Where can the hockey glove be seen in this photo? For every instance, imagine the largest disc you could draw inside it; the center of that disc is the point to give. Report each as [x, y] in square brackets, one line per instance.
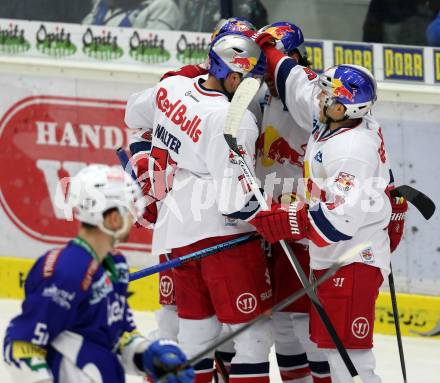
[150, 212]
[190, 71]
[282, 222]
[161, 361]
[399, 206]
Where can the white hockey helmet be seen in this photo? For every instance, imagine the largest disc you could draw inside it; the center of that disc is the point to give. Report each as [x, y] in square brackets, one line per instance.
[351, 85]
[98, 188]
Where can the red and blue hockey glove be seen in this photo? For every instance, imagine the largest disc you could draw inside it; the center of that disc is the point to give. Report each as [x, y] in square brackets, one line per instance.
[150, 212]
[282, 222]
[162, 360]
[399, 206]
[190, 71]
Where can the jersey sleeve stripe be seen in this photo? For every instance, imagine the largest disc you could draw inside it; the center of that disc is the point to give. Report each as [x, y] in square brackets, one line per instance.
[282, 73]
[324, 226]
[247, 211]
[141, 146]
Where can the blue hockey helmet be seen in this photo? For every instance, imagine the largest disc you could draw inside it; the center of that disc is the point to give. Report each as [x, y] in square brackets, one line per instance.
[233, 52]
[288, 37]
[233, 24]
[351, 85]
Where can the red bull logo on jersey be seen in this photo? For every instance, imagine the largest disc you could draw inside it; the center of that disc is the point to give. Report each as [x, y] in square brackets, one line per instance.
[272, 148]
[245, 63]
[279, 31]
[344, 181]
[340, 90]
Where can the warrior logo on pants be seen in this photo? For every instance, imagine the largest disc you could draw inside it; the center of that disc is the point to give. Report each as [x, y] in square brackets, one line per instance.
[360, 327]
[246, 303]
[166, 286]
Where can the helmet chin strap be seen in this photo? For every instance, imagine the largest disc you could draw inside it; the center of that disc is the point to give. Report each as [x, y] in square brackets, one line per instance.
[116, 234]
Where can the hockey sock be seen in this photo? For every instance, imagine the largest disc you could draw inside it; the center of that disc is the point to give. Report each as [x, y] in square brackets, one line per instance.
[249, 373]
[294, 368]
[320, 372]
[204, 371]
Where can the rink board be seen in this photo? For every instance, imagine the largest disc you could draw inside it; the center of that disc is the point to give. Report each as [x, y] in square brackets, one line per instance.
[418, 313]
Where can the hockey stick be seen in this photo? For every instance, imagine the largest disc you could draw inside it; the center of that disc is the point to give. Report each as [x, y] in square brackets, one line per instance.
[279, 306]
[192, 257]
[242, 97]
[421, 201]
[426, 207]
[397, 323]
[125, 162]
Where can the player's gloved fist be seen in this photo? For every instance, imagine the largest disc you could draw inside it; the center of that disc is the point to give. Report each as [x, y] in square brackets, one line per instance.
[263, 38]
[190, 71]
[282, 222]
[162, 361]
[399, 207]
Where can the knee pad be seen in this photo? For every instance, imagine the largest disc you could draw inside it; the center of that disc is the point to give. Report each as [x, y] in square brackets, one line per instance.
[167, 322]
[253, 345]
[301, 326]
[195, 335]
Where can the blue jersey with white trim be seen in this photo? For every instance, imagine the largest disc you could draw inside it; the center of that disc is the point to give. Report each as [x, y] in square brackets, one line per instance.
[346, 174]
[76, 309]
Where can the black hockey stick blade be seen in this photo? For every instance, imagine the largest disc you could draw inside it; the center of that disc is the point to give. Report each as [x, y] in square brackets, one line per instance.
[419, 200]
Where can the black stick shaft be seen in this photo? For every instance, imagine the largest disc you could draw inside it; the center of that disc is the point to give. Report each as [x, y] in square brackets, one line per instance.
[397, 323]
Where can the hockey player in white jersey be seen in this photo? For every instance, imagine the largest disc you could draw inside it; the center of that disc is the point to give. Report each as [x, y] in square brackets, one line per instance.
[347, 175]
[76, 325]
[194, 176]
[280, 157]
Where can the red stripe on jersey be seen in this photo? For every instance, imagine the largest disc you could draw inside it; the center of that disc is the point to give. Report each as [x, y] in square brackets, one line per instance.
[207, 93]
[294, 374]
[315, 236]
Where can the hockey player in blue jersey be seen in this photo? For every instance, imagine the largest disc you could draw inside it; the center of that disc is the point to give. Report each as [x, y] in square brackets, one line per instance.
[76, 325]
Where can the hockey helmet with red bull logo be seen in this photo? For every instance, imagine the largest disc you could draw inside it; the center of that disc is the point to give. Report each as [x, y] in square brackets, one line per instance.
[233, 24]
[288, 37]
[232, 52]
[351, 85]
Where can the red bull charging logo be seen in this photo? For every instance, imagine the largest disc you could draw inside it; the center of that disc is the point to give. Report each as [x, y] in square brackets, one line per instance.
[278, 32]
[272, 148]
[245, 63]
[339, 90]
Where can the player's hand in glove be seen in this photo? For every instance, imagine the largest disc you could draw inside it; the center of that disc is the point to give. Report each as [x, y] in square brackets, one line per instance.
[282, 222]
[399, 206]
[263, 38]
[150, 213]
[162, 361]
[190, 71]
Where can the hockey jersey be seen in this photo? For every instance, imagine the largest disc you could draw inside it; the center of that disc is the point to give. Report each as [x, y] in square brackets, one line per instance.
[193, 172]
[346, 174]
[280, 151]
[75, 310]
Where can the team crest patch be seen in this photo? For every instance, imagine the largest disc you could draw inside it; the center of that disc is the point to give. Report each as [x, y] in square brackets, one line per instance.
[344, 181]
[360, 327]
[367, 256]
